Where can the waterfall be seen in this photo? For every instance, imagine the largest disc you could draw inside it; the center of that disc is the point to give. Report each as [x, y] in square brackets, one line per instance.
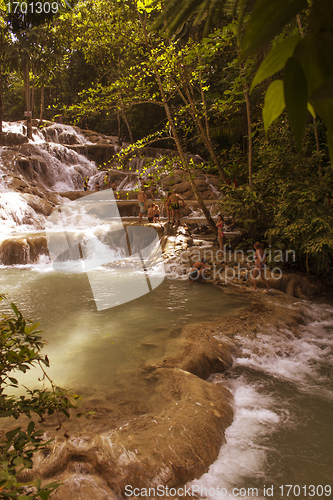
[34, 174]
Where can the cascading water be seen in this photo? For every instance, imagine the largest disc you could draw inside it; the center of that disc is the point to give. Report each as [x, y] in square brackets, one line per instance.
[37, 172]
[279, 444]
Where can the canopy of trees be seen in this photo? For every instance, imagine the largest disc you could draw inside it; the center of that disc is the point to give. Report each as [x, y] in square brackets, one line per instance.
[232, 81]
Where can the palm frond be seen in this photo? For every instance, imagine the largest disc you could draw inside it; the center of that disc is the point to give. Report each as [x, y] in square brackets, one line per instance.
[175, 13]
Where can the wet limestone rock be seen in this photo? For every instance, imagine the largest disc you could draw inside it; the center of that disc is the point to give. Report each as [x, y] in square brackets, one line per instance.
[99, 153]
[15, 251]
[68, 138]
[170, 446]
[169, 438]
[207, 185]
[12, 139]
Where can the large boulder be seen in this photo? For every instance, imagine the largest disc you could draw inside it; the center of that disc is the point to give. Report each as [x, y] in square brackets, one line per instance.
[12, 139]
[99, 153]
[68, 138]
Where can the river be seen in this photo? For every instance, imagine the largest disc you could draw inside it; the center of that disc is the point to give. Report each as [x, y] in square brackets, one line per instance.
[282, 386]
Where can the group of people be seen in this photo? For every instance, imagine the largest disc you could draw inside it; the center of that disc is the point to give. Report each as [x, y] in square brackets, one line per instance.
[201, 270]
[171, 207]
[153, 213]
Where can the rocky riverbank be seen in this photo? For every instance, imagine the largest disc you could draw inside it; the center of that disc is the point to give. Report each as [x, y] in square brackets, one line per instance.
[235, 267]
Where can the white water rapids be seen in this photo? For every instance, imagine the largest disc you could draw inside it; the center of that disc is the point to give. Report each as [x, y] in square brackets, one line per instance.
[280, 442]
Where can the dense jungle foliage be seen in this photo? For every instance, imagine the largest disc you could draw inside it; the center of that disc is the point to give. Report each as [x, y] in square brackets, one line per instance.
[245, 85]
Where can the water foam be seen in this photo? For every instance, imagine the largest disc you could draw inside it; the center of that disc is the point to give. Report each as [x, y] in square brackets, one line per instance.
[16, 214]
[269, 366]
[244, 454]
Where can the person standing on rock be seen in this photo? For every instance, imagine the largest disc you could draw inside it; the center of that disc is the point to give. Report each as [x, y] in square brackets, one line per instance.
[106, 181]
[168, 205]
[174, 204]
[259, 259]
[150, 213]
[221, 236]
[142, 198]
[85, 183]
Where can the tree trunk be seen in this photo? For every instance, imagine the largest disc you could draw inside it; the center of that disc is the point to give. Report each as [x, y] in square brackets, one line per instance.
[126, 121]
[119, 127]
[33, 94]
[176, 137]
[183, 156]
[1, 102]
[25, 68]
[249, 132]
[204, 136]
[41, 116]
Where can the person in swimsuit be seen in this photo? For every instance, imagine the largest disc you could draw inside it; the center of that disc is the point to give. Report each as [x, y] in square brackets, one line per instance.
[259, 260]
[221, 236]
[150, 213]
[156, 212]
[142, 198]
[174, 204]
[85, 183]
[198, 269]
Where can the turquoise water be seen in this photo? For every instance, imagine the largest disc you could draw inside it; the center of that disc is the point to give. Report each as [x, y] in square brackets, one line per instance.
[93, 348]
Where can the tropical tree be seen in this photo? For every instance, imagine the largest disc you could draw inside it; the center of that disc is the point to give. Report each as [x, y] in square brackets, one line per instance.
[22, 20]
[307, 61]
[7, 55]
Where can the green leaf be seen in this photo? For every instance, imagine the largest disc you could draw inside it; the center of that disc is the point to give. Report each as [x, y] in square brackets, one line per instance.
[296, 97]
[267, 20]
[44, 495]
[311, 110]
[16, 311]
[28, 463]
[31, 427]
[276, 59]
[65, 412]
[274, 103]
[11, 434]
